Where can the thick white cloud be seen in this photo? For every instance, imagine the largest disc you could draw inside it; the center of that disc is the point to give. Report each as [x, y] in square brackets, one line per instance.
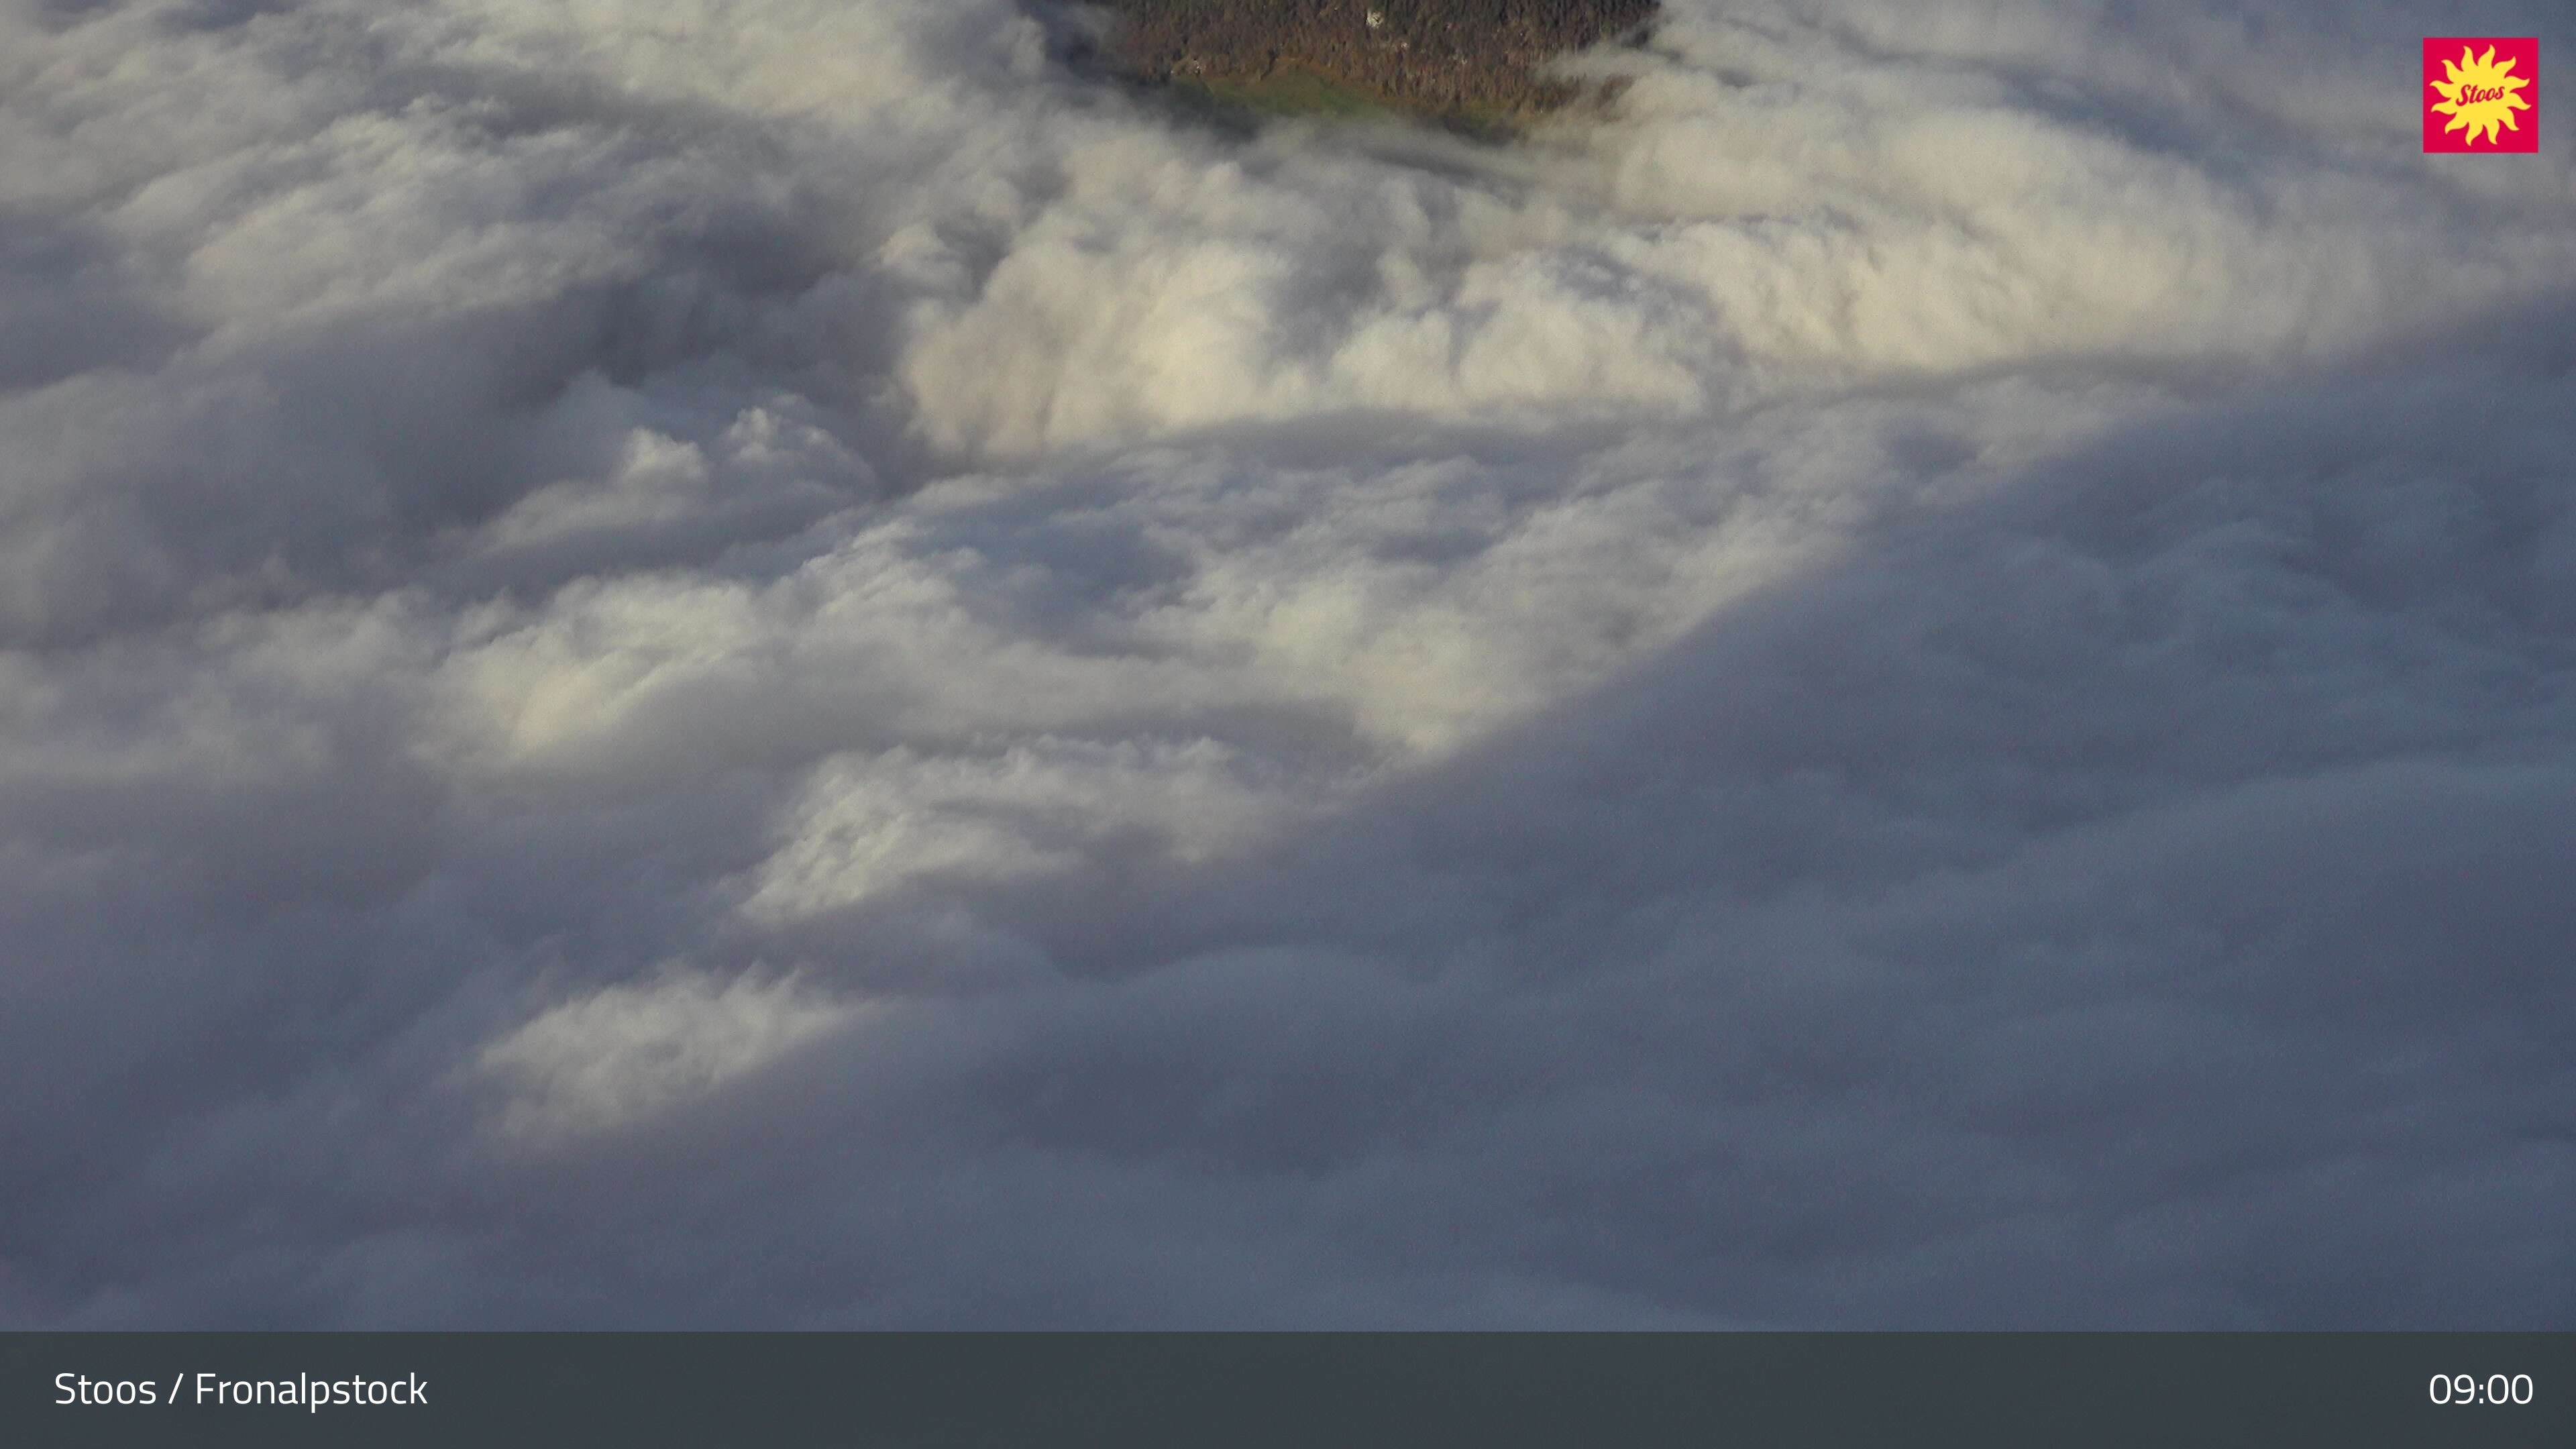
[774, 662]
[631, 1052]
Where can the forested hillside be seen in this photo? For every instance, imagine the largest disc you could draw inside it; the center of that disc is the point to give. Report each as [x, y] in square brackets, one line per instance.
[1441, 57]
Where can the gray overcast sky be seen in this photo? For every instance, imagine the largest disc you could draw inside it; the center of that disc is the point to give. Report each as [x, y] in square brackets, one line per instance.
[772, 663]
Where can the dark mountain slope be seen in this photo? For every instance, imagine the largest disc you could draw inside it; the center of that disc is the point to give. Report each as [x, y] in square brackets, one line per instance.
[1472, 59]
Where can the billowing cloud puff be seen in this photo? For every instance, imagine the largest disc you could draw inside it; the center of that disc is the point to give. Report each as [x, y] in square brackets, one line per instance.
[777, 662]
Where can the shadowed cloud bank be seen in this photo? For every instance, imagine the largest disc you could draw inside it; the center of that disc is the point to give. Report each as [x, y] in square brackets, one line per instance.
[775, 663]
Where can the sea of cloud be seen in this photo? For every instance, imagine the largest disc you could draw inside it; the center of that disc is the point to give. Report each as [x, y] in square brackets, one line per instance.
[778, 662]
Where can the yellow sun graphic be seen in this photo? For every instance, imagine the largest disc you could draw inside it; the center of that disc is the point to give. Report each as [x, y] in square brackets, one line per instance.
[2480, 95]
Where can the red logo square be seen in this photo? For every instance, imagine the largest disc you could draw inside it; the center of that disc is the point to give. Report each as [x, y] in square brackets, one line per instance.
[2481, 93]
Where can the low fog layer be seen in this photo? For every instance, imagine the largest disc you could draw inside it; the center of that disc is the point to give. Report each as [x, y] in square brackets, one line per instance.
[775, 663]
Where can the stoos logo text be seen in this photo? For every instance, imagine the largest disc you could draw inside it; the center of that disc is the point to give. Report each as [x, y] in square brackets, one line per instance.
[2481, 93]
